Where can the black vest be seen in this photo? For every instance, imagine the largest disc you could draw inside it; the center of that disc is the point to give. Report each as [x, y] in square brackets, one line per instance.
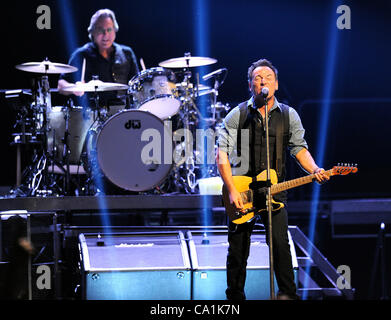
[278, 139]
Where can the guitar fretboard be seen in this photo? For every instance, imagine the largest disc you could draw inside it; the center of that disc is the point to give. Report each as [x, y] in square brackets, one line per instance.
[282, 186]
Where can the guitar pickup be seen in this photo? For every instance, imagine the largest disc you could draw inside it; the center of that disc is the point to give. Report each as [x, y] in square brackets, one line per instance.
[245, 211]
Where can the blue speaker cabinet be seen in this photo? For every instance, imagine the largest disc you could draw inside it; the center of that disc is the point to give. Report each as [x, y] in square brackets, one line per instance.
[135, 266]
[208, 253]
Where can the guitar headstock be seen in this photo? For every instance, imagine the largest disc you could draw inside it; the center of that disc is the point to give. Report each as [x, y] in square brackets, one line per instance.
[344, 169]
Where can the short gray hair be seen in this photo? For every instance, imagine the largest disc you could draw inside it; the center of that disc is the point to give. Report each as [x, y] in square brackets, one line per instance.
[102, 13]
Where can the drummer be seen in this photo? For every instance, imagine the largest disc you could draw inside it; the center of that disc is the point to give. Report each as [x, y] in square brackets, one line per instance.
[102, 57]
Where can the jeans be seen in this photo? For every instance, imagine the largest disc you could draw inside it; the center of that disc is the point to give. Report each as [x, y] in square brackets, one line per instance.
[239, 239]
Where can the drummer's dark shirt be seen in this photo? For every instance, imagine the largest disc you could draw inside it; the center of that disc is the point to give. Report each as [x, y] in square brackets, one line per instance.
[120, 67]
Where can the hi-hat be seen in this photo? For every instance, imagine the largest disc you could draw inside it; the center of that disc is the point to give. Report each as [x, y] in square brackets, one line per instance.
[95, 86]
[46, 67]
[187, 62]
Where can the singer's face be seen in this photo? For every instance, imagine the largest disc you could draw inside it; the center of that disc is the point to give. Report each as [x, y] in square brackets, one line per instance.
[263, 77]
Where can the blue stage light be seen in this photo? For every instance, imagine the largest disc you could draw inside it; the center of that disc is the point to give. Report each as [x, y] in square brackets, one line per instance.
[72, 43]
[201, 37]
[70, 34]
[324, 116]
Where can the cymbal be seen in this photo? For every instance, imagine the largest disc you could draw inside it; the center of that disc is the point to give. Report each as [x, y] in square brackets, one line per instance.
[95, 86]
[202, 87]
[46, 67]
[187, 62]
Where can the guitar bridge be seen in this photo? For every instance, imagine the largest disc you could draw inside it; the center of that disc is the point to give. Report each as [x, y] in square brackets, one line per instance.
[245, 211]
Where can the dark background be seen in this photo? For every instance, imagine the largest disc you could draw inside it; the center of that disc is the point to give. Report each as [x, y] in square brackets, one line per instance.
[297, 36]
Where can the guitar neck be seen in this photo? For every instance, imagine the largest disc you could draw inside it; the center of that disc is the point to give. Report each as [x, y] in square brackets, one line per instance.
[282, 186]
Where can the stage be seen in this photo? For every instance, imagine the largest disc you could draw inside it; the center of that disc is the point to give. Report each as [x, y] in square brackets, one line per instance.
[58, 223]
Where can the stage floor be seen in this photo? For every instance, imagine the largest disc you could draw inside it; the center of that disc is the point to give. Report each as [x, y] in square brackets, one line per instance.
[112, 202]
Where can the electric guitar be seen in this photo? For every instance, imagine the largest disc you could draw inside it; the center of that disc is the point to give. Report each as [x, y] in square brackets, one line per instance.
[243, 185]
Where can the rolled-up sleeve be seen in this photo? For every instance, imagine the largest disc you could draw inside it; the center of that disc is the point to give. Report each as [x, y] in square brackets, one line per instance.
[296, 132]
[228, 133]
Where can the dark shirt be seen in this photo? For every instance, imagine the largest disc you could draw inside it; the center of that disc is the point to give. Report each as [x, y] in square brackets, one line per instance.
[120, 67]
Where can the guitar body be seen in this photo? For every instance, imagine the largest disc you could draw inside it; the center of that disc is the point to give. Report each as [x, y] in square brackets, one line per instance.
[242, 184]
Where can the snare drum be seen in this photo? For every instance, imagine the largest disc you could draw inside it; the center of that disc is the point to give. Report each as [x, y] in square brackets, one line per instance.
[129, 150]
[153, 91]
[79, 122]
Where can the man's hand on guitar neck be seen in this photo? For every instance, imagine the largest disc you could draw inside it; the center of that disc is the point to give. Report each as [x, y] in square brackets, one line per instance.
[321, 176]
[308, 164]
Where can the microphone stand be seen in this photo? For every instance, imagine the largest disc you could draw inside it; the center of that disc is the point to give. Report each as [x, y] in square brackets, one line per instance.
[269, 203]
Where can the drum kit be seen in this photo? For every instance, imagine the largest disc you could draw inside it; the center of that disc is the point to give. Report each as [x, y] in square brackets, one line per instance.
[144, 146]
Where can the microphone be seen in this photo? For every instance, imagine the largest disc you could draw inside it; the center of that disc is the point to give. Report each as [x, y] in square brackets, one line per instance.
[214, 73]
[261, 98]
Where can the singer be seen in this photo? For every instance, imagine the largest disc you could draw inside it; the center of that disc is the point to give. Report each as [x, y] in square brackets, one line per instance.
[285, 133]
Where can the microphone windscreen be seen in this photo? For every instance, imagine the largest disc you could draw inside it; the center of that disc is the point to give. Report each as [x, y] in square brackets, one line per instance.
[259, 101]
[265, 92]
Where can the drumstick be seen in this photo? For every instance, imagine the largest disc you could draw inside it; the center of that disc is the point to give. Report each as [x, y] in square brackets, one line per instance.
[142, 64]
[83, 70]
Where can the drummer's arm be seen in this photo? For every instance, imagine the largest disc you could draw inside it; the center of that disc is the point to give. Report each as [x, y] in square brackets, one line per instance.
[62, 83]
[66, 80]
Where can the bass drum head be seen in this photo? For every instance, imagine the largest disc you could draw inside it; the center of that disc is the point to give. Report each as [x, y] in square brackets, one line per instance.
[130, 150]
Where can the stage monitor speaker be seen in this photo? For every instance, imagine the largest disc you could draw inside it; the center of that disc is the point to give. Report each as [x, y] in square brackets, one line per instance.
[208, 252]
[135, 266]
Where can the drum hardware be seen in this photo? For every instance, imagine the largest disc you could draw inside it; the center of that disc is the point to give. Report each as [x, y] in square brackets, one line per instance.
[187, 61]
[153, 90]
[66, 150]
[38, 180]
[68, 127]
[219, 78]
[95, 85]
[184, 172]
[189, 110]
[17, 99]
[46, 67]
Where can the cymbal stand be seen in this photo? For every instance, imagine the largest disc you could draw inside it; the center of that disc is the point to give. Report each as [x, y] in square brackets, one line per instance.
[42, 104]
[188, 129]
[97, 113]
[215, 93]
[66, 150]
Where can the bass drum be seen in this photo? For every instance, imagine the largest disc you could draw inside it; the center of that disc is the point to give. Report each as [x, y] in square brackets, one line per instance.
[129, 150]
